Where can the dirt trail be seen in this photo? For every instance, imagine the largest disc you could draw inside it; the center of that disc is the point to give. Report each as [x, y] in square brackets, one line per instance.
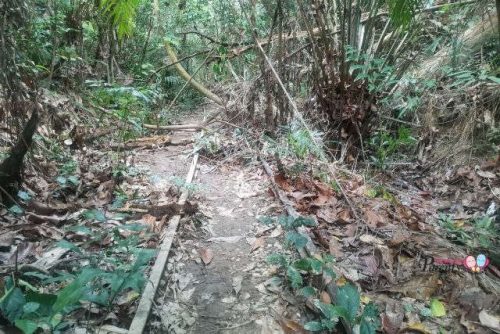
[235, 292]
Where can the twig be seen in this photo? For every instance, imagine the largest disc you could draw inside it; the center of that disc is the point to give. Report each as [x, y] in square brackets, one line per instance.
[174, 127]
[237, 326]
[400, 121]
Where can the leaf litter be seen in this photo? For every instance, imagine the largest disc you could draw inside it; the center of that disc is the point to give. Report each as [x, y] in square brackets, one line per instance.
[94, 218]
[398, 228]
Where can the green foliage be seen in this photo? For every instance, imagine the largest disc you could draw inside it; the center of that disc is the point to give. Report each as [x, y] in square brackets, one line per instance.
[301, 144]
[384, 145]
[467, 78]
[298, 271]
[295, 142]
[289, 224]
[476, 234]
[117, 271]
[208, 144]
[378, 76]
[181, 183]
[121, 13]
[402, 11]
[347, 307]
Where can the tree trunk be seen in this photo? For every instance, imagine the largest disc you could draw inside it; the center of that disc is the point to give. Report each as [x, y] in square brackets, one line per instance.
[11, 167]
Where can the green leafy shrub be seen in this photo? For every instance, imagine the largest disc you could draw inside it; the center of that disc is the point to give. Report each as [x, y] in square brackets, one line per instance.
[384, 145]
[348, 308]
[120, 269]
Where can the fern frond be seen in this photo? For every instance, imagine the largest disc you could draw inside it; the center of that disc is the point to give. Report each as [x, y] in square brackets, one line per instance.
[122, 14]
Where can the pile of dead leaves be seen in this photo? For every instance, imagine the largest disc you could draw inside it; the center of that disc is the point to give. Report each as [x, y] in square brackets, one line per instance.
[381, 234]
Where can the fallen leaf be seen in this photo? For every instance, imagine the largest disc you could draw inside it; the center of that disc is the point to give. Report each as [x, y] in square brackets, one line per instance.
[229, 300]
[127, 298]
[489, 320]
[419, 287]
[206, 255]
[335, 248]
[237, 284]
[149, 220]
[390, 323]
[259, 242]
[282, 182]
[373, 219]
[415, 328]
[324, 199]
[370, 239]
[437, 308]
[399, 237]
[231, 240]
[327, 213]
[291, 327]
[23, 250]
[276, 232]
[299, 195]
[325, 297]
[344, 217]
[486, 175]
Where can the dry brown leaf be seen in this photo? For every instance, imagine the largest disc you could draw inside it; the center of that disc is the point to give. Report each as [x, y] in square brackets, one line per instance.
[335, 248]
[419, 287]
[282, 182]
[327, 213]
[389, 325]
[206, 255]
[291, 327]
[149, 220]
[325, 200]
[373, 219]
[344, 217]
[486, 175]
[259, 242]
[323, 189]
[325, 297]
[399, 237]
[370, 239]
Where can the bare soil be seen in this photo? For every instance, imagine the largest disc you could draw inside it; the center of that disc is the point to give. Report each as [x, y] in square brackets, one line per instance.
[217, 279]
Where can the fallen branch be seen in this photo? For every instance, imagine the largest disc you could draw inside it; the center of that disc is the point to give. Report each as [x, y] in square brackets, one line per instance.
[146, 302]
[299, 116]
[213, 40]
[175, 127]
[145, 142]
[177, 62]
[184, 74]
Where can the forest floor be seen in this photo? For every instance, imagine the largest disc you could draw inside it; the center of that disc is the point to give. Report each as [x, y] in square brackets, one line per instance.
[217, 278]
[219, 281]
[379, 233]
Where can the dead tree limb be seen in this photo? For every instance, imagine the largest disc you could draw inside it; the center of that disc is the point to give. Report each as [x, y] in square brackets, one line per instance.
[195, 84]
[12, 166]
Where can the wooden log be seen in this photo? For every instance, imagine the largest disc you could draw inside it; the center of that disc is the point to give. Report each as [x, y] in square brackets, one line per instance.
[143, 310]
